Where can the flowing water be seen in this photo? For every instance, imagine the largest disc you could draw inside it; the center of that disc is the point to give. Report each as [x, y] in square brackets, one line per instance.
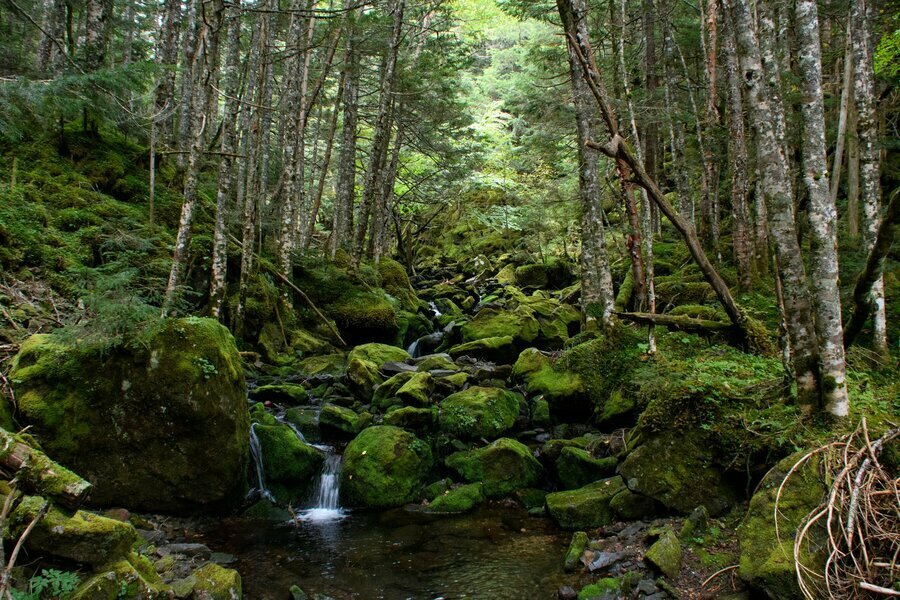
[324, 499]
[258, 467]
[495, 553]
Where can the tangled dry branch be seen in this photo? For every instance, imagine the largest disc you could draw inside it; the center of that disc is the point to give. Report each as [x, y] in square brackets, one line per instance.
[849, 546]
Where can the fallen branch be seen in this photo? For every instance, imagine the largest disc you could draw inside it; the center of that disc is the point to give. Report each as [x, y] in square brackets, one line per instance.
[677, 322]
[37, 471]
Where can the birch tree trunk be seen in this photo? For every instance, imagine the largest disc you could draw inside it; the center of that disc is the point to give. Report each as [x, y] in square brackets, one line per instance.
[50, 49]
[326, 160]
[776, 189]
[843, 113]
[181, 140]
[597, 297]
[676, 130]
[226, 162]
[852, 175]
[205, 43]
[822, 214]
[737, 152]
[869, 155]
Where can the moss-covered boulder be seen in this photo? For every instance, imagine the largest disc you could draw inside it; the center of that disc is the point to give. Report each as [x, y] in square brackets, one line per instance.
[378, 354]
[290, 464]
[285, 393]
[479, 412]
[457, 500]
[395, 282]
[217, 583]
[131, 577]
[585, 507]
[503, 466]
[675, 469]
[385, 394]
[576, 468]
[363, 378]
[384, 466]
[416, 391]
[434, 362]
[563, 390]
[163, 427]
[767, 560]
[80, 536]
[412, 418]
[366, 317]
[665, 554]
[501, 349]
[338, 419]
[492, 322]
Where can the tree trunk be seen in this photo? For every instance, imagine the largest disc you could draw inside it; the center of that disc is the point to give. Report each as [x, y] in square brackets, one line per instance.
[843, 113]
[869, 155]
[188, 76]
[51, 49]
[205, 42]
[40, 474]
[166, 59]
[737, 152]
[98, 14]
[822, 214]
[852, 175]
[676, 130]
[226, 163]
[326, 159]
[776, 188]
[596, 280]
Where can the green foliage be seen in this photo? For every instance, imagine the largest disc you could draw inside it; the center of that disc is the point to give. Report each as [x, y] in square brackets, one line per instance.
[49, 584]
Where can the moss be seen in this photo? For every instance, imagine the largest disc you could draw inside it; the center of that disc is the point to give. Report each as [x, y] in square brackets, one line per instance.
[412, 418]
[290, 464]
[564, 390]
[457, 500]
[80, 536]
[531, 498]
[366, 318]
[576, 467]
[767, 560]
[217, 583]
[259, 414]
[417, 390]
[289, 393]
[603, 588]
[496, 349]
[586, 507]
[531, 276]
[384, 466]
[576, 548]
[329, 364]
[129, 578]
[378, 354]
[363, 378]
[41, 475]
[665, 554]
[338, 418]
[675, 469]
[436, 362]
[385, 394]
[492, 322]
[161, 428]
[695, 311]
[503, 466]
[395, 282]
[506, 275]
[540, 413]
[479, 412]
[620, 408]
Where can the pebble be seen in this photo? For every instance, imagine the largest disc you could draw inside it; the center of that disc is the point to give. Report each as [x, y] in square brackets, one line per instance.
[566, 593]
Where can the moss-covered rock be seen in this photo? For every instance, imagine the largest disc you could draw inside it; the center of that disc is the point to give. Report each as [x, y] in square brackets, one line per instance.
[506, 275]
[576, 467]
[479, 412]
[130, 578]
[385, 394]
[288, 393]
[503, 466]
[586, 507]
[80, 536]
[217, 583]
[492, 322]
[363, 378]
[416, 391]
[602, 589]
[412, 418]
[495, 349]
[338, 419]
[162, 428]
[366, 317]
[384, 466]
[378, 354]
[576, 548]
[436, 362]
[665, 554]
[675, 469]
[457, 500]
[564, 390]
[327, 364]
[290, 464]
[619, 409]
[395, 282]
[767, 560]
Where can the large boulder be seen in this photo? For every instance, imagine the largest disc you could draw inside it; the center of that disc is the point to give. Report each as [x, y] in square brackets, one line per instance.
[160, 427]
[597, 504]
[492, 322]
[366, 317]
[501, 349]
[289, 463]
[479, 412]
[364, 364]
[503, 466]
[675, 469]
[576, 468]
[767, 555]
[563, 390]
[384, 466]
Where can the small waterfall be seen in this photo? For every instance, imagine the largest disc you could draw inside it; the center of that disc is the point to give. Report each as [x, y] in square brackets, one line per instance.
[434, 309]
[413, 348]
[256, 455]
[325, 496]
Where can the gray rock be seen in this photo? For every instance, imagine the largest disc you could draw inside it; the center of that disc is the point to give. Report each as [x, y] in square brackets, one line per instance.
[646, 587]
[191, 550]
[566, 593]
[602, 560]
[392, 368]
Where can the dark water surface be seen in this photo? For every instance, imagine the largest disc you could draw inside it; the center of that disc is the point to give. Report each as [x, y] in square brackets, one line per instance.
[495, 553]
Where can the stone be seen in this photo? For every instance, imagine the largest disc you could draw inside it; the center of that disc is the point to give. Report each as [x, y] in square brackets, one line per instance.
[284, 393]
[384, 466]
[665, 554]
[217, 583]
[563, 389]
[290, 464]
[586, 507]
[417, 390]
[493, 322]
[457, 500]
[696, 523]
[479, 412]
[338, 419]
[378, 354]
[576, 548]
[608, 588]
[129, 577]
[576, 467]
[161, 427]
[500, 349]
[503, 466]
[412, 418]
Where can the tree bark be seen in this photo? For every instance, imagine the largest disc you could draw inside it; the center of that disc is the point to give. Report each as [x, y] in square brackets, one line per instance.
[226, 163]
[166, 59]
[822, 214]
[596, 280]
[40, 474]
[869, 155]
[776, 188]
[326, 159]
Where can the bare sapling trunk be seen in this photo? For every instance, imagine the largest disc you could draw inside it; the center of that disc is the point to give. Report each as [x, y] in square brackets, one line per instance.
[822, 214]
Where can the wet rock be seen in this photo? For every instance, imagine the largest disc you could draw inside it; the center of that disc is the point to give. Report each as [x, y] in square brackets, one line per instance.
[384, 466]
[586, 507]
[501, 349]
[576, 548]
[412, 418]
[436, 362]
[283, 393]
[503, 466]
[184, 587]
[665, 554]
[646, 587]
[603, 560]
[417, 390]
[577, 468]
[290, 464]
[187, 549]
[335, 418]
[160, 428]
[217, 583]
[457, 500]
[392, 368]
[696, 523]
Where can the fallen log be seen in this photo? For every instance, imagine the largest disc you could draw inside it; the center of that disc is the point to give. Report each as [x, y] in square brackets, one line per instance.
[36, 471]
[679, 322]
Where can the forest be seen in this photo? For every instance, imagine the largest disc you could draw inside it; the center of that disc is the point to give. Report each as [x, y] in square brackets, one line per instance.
[469, 299]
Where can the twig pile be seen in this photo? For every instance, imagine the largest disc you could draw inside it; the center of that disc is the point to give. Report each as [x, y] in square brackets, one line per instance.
[859, 520]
